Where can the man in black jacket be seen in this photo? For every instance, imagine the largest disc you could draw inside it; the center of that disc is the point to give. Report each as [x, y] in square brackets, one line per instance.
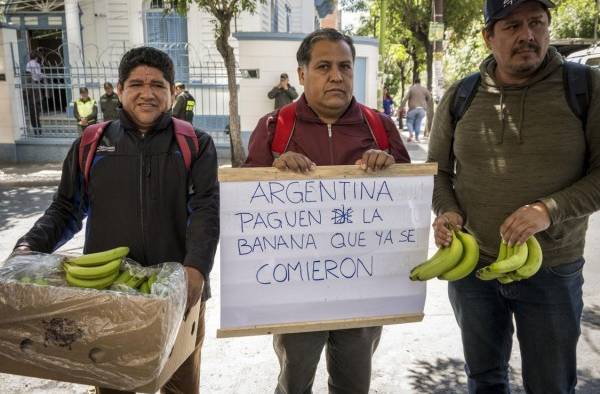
[140, 193]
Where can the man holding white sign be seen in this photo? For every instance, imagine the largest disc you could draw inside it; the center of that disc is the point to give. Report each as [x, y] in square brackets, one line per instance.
[326, 126]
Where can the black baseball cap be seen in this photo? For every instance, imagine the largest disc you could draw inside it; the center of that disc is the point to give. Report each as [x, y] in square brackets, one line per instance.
[494, 10]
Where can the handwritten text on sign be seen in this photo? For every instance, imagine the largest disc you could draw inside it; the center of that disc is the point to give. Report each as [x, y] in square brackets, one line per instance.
[324, 249]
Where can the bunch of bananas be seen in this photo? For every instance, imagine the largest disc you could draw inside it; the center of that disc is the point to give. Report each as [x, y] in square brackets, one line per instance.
[451, 263]
[514, 263]
[140, 282]
[95, 270]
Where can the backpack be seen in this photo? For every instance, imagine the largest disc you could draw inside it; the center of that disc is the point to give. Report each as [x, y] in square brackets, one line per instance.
[184, 134]
[576, 80]
[286, 122]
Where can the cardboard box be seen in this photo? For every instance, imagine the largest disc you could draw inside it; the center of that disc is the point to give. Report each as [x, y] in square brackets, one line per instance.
[103, 338]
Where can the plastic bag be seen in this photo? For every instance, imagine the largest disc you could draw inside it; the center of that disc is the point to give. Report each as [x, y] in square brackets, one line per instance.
[117, 339]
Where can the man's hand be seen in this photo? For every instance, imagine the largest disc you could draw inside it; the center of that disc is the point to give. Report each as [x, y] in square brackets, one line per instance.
[375, 159]
[195, 285]
[294, 161]
[525, 222]
[441, 227]
[21, 250]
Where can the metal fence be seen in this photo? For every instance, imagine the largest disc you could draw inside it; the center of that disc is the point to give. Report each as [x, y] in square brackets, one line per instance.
[48, 103]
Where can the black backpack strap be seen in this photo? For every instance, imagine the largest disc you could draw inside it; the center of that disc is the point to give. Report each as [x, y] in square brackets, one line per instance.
[465, 91]
[578, 89]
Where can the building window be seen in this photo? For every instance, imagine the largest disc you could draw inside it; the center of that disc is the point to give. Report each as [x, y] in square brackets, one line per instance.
[168, 32]
[274, 15]
[288, 18]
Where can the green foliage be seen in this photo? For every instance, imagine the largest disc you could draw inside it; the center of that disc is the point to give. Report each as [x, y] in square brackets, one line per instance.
[574, 19]
[462, 57]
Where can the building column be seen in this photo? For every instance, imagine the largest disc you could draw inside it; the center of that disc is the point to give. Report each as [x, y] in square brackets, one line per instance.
[73, 31]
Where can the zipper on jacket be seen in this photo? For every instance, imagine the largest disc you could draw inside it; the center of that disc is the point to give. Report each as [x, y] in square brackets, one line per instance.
[141, 191]
[330, 133]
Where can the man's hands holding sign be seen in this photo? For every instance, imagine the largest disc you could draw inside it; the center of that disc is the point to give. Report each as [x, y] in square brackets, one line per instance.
[372, 160]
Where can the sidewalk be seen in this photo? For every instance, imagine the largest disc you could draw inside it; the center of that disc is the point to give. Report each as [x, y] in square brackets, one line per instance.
[415, 358]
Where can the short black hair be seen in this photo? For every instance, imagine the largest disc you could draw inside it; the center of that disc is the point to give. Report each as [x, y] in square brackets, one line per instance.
[329, 34]
[83, 90]
[146, 56]
[417, 80]
[108, 85]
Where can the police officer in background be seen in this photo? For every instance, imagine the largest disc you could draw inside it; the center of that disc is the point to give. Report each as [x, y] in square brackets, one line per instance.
[85, 110]
[184, 105]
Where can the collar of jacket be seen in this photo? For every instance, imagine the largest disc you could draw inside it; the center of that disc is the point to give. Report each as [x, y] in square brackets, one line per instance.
[551, 62]
[163, 121]
[352, 115]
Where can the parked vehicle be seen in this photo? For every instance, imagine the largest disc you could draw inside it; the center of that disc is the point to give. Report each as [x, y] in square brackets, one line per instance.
[589, 56]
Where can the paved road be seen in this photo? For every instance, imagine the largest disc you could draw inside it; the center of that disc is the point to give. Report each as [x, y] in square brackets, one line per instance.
[414, 358]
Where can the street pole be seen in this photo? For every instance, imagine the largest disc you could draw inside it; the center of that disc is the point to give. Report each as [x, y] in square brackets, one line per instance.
[596, 21]
[438, 51]
[382, 27]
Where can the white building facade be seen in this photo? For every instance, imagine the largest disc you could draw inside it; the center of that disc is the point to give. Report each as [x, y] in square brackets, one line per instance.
[80, 42]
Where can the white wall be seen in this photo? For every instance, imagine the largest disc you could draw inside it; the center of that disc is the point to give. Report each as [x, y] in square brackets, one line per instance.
[371, 52]
[10, 110]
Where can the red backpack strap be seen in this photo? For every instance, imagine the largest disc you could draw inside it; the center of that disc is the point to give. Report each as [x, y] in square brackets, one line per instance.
[187, 140]
[286, 121]
[376, 125]
[87, 147]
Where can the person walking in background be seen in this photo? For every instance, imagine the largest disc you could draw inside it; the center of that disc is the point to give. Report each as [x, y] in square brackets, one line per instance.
[184, 105]
[283, 93]
[388, 102]
[85, 110]
[419, 104]
[519, 161]
[329, 129]
[109, 103]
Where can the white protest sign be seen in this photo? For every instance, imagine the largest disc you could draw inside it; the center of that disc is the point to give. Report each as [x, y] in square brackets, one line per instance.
[316, 251]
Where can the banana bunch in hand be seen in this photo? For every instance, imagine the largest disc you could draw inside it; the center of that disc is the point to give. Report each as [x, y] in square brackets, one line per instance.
[453, 262]
[514, 263]
[95, 270]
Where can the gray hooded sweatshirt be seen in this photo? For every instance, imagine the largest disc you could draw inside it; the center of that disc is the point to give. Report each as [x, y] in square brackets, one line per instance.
[514, 146]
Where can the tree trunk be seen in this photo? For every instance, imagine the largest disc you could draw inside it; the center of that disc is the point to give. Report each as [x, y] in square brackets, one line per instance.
[415, 60]
[238, 156]
[429, 57]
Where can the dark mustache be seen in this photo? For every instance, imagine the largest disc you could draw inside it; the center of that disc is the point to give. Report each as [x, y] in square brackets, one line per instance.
[526, 46]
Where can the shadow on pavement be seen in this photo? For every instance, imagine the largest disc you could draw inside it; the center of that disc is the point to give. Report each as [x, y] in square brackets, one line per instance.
[586, 383]
[447, 376]
[23, 202]
[590, 317]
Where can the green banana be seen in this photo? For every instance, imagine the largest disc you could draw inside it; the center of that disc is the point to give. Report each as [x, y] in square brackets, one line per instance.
[447, 258]
[508, 264]
[489, 275]
[123, 277]
[505, 279]
[144, 288]
[91, 283]
[95, 272]
[468, 260]
[92, 259]
[151, 281]
[135, 281]
[534, 259]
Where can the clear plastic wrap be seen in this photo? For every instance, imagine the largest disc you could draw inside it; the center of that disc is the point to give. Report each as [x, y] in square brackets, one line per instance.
[117, 337]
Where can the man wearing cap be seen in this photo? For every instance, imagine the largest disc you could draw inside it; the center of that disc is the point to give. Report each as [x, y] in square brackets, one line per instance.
[284, 93]
[184, 105]
[519, 163]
